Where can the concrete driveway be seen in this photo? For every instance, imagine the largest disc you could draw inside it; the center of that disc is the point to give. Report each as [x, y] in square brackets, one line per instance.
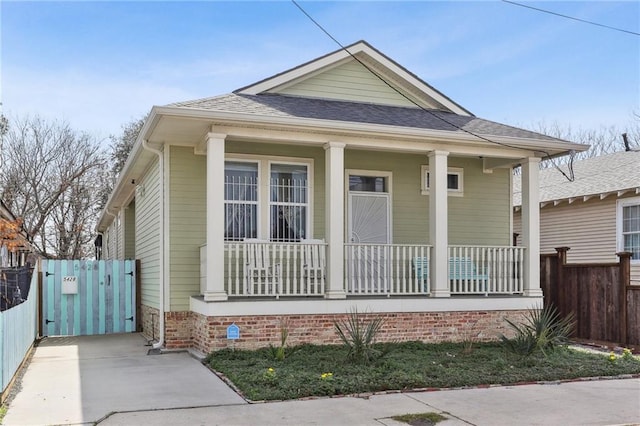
[78, 380]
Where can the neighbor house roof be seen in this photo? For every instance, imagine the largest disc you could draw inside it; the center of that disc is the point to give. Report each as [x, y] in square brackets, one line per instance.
[297, 107]
[611, 174]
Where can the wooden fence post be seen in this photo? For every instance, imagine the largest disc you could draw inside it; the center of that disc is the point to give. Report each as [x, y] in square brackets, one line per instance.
[625, 280]
[39, 301]
[560, 285]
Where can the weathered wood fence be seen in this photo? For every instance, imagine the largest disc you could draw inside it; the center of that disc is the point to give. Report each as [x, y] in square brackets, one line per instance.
[605, 305]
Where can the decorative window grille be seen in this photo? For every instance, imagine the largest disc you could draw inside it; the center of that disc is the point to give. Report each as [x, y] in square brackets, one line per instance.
[288, 202]
[631, 230]
[241, 200]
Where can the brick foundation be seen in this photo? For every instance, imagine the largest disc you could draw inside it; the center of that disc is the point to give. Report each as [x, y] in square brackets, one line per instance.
[178, 330]
[209, 333]
[150, 322]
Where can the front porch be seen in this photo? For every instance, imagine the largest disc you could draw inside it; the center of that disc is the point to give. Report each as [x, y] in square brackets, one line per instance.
[273, 270]
[388, 229]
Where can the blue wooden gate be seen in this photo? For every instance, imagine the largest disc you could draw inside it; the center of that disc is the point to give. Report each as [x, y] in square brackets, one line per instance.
[84, 297]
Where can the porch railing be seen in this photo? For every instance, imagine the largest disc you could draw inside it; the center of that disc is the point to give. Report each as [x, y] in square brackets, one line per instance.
[386, 269]
[262, 268]
[272, 269]
[486, 269]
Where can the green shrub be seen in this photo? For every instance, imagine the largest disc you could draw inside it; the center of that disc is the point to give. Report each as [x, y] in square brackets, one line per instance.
[278, 353]
[359, 337]
[542, 331]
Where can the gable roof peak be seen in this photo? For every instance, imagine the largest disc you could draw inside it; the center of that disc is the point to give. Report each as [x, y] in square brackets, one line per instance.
[402, 87]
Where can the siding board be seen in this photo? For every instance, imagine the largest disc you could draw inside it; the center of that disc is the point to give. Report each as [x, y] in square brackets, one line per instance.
[147, 235]
[588, 228]
[187, 223]
[348, 82]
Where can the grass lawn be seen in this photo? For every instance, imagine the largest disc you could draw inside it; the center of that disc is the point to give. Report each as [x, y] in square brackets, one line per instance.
[311, 370]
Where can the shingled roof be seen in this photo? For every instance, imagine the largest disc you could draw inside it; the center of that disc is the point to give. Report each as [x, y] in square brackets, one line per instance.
[597, 176]
[272, 105]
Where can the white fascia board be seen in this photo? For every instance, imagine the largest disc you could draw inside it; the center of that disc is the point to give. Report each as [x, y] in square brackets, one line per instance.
[105, 220]
[413, 80]
[374, 130]
[340, 306]
[296, 73]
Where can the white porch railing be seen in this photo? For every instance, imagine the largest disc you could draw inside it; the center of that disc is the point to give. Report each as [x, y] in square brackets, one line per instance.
[386, 269]
[262, 268]
[486, 270]
[273, 269]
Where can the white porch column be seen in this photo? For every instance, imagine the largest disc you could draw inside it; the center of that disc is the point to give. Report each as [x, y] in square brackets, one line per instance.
[334, 219]
[531, 226]
[215, 218]
[439, 224]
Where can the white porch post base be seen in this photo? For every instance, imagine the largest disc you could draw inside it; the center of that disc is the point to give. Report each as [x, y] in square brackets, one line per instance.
[335, 294]
[215, 296]
[440, 292]
[533, 292]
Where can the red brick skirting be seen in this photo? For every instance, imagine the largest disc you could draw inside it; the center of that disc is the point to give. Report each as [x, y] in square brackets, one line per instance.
[210, 333]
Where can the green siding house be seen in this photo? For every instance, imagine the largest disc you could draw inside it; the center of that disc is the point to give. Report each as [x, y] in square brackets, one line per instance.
[346, 182]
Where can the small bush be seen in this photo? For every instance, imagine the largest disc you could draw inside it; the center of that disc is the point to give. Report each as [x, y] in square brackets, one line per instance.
[542, 331]
[278, 353]
[359, 337]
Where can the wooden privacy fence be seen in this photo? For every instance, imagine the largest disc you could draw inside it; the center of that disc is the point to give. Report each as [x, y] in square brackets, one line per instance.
[605, 305]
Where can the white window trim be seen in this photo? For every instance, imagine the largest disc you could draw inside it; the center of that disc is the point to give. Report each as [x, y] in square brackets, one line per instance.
[264, 179]
[459, 192]
[620, 204]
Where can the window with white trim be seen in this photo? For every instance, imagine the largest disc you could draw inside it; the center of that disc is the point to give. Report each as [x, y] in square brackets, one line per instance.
[289, 202]
[258, 187]
[455, 180]
[240, 200]
[629, 226]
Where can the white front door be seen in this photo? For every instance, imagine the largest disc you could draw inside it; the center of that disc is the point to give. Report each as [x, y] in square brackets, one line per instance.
[369, 218]
[369, 232]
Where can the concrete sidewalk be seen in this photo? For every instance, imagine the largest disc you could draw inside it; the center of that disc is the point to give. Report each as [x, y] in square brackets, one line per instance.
[110, 380]
[80, 380]
[604, 402]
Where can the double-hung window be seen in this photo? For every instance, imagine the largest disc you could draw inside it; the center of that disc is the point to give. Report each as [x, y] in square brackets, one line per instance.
[288, 203]
[240, 200]
[267, 200]
[629, 226]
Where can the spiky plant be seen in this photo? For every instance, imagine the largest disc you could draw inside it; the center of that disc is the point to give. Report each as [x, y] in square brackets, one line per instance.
[542, 330]
[359, 336]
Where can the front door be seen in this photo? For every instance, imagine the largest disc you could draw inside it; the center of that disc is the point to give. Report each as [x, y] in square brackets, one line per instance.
[369, 233]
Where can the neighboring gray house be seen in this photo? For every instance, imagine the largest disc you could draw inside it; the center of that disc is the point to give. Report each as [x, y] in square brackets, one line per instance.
[596, 215]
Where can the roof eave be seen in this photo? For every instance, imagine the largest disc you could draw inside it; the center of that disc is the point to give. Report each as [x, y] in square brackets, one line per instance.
[104, 220]
[544, 147]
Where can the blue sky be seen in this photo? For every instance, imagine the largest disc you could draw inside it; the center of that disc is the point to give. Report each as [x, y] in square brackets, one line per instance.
[101, 64]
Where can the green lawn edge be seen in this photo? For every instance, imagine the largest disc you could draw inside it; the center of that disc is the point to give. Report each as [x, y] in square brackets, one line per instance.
[310, 371]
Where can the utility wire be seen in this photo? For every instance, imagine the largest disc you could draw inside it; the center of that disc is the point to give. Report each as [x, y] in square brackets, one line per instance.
[393, 87]
[381, 78]
[572, 17]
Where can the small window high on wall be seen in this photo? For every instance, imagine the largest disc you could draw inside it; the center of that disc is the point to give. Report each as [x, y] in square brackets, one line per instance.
[454, 181]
